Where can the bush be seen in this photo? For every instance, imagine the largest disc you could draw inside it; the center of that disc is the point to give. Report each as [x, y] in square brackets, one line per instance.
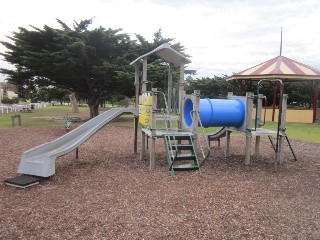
[10, 101]
[125, 102]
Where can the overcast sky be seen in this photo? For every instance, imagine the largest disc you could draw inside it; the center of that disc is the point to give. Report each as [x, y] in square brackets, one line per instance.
[222, 36]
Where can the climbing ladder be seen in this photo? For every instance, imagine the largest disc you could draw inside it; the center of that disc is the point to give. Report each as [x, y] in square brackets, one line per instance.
[179, 145]
[274, 146]
[180, 153]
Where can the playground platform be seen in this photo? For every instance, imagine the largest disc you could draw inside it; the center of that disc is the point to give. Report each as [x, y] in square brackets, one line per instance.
[159, 133]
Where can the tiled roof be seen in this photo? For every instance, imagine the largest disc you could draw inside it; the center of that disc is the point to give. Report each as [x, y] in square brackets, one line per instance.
[279, 67]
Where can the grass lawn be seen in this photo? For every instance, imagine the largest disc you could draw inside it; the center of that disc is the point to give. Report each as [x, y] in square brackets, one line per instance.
[53, 116]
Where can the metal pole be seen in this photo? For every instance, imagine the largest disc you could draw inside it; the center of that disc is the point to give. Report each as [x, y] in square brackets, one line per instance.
[274, 100]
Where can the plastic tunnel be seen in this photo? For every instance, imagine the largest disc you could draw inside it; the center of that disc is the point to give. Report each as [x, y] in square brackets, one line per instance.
[216, 112]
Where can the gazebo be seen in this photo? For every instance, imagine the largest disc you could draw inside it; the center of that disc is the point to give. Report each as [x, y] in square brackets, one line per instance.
[287, 70]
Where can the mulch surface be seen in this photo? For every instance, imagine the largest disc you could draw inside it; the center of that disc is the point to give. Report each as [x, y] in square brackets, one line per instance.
[108, 193]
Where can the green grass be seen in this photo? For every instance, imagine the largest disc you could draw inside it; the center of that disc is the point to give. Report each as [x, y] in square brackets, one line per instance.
[299, 131]
[42, 116]
[45, 117]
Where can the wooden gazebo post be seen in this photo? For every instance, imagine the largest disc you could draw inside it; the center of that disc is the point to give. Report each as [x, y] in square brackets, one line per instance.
[315, 100]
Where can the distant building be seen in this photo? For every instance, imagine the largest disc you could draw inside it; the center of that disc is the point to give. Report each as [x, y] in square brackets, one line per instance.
[7, 90]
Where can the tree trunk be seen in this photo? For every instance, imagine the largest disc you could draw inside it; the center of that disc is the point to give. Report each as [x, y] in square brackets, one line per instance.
[94, 107]
[74, 103]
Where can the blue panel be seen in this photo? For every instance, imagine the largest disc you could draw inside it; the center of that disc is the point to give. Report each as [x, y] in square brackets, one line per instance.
[187, 112]
[217, 112]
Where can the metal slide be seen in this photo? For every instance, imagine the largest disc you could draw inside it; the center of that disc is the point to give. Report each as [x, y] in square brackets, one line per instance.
[40, 161]
[218, 134]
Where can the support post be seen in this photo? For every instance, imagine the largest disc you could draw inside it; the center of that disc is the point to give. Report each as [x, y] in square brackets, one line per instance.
[248, 148]
[280, 153]
[315, 101]
[258, 109]
[274, 100]
[136, 83]
[153, 127]
[170, 88]
[136, 119]
[152, 153]
[195, 117]
[227, 145]
[143, 145]
[77, 153]
[249, 106]
[135, 143]
[181, 93]
[144, 74]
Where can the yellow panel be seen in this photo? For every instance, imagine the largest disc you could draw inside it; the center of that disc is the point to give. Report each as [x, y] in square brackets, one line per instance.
[147, 100]
[147, 121]
[145, 110]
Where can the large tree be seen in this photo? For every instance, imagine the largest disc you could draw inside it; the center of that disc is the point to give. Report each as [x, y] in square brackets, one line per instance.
[92, 63]
[216, 87]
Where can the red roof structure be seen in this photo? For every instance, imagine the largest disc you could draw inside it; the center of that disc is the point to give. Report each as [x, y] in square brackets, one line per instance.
[287, 70]
[279, 67]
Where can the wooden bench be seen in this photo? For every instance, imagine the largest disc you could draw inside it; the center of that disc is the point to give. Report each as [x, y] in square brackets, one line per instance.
[26, 110]
[13, 120]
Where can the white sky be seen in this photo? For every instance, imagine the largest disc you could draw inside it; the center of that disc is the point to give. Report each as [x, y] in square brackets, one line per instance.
[222, 36]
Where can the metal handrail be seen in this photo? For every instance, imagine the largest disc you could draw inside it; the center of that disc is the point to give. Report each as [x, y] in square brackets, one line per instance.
[169, 127]
[206, 140]
[280, 111]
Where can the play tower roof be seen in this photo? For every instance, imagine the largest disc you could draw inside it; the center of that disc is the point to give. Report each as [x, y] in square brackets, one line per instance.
[166, 53]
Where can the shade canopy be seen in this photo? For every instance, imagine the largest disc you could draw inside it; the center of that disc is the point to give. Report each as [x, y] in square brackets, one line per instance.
[279, 67]
[287, 70]
[168, 54]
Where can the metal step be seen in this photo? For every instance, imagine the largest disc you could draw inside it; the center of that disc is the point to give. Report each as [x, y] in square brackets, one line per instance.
[181, 147]
[179, 137]
[22, 181]
[184, 167]
[181, 157]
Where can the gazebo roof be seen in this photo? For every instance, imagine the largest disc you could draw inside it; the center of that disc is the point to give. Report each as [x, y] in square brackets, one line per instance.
[279, 67]
[168, 54]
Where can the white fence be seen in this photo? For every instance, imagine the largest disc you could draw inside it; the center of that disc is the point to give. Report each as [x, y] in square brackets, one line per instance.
[7, 108]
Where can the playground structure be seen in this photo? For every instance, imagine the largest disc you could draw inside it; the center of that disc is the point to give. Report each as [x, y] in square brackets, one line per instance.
[233, 114]
[180, 133]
